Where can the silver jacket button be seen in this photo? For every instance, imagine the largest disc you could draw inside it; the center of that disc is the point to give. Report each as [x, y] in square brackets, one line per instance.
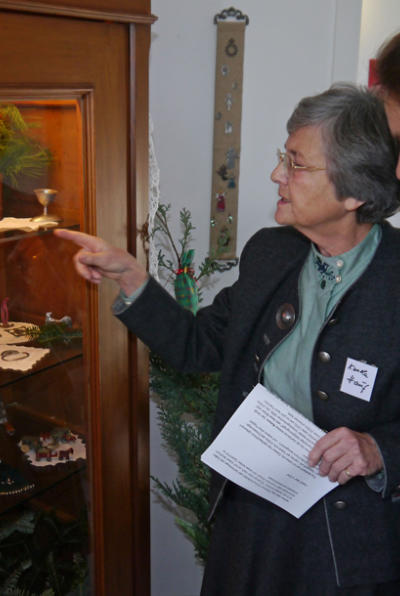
[333, 321]
[285, 316]
[340, 505]
[324, 356]
[322, 395]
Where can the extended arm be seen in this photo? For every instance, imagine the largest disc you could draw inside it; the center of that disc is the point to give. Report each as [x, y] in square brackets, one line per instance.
[186, 342]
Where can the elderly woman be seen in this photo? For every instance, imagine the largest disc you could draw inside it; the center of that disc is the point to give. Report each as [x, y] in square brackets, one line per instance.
[320, 289]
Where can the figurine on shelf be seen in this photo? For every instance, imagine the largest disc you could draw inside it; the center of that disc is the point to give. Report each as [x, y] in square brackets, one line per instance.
[46, 453]
[62, 435]
[65, 453]
[60, 445]
[66, 319]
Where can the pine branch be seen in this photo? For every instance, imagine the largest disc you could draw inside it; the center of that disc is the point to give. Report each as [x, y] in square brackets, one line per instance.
[198, 536]
[162, 219]
[166, 263]
[53, 332]
[186, 221]
[186, 402]
[20, 154]
[211, 265]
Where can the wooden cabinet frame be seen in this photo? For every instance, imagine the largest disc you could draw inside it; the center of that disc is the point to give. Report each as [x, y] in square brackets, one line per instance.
[120, 486]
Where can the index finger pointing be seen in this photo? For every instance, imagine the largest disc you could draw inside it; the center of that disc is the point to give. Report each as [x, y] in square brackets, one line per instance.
[90, 243]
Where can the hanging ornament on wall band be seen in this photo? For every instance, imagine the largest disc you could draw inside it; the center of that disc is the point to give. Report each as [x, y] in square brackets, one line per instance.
[231, 24]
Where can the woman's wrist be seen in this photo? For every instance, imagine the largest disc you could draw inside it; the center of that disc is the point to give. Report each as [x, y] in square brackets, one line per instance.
[131, 281]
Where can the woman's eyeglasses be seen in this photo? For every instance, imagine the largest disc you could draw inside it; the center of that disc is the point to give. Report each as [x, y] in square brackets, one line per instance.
[290, 165]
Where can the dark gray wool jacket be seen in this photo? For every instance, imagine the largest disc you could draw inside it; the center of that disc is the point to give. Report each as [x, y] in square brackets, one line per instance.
[236, 333]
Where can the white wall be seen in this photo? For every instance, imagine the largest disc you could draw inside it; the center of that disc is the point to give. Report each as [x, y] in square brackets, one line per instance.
[292, 49]
[380, 20]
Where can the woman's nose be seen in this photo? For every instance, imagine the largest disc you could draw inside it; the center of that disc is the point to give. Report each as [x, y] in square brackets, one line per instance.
[279, 174]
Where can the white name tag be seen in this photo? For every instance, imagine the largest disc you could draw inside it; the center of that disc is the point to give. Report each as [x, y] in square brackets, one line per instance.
[358, 379]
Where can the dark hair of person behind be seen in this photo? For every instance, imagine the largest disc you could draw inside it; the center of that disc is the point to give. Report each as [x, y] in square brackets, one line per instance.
[360, 152]
[388, 65]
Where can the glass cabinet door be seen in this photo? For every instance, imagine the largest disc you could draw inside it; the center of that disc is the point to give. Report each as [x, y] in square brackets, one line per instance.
[44, 487]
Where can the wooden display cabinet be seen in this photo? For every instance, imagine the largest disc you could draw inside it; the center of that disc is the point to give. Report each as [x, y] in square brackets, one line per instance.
[74, 488]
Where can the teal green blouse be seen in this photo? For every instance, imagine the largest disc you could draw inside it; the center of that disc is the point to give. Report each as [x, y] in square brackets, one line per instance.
[323, 281]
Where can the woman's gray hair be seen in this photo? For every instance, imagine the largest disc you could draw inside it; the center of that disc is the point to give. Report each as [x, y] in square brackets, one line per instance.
[360, 152]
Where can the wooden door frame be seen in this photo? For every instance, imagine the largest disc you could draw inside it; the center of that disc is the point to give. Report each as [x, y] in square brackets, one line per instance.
[137, 212]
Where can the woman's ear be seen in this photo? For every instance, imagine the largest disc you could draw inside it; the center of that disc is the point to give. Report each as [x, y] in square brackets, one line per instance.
[352, 204]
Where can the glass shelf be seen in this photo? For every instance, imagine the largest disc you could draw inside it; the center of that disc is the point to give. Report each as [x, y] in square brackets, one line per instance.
[58, 356]
[7, 236]
[69, 476]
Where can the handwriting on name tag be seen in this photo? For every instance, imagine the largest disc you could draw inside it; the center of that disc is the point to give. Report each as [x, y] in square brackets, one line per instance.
[358, 379]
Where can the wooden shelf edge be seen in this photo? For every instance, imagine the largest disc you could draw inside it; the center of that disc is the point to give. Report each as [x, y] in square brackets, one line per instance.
[50, 420]
[79, 13]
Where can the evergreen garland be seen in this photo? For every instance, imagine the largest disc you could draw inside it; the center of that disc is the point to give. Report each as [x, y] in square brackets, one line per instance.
[50, 333]
[20, 154]
[186, 402]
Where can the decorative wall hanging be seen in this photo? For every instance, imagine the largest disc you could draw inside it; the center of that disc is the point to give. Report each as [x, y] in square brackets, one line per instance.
[227, 124]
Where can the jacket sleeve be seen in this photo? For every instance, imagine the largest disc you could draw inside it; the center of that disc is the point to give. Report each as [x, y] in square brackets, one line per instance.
[387, 437]
[188, 343]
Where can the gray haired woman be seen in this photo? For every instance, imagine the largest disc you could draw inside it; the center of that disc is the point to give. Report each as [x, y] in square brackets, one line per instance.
[322, 288]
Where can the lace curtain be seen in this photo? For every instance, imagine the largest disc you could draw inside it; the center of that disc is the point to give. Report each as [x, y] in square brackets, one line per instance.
[154, 199]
